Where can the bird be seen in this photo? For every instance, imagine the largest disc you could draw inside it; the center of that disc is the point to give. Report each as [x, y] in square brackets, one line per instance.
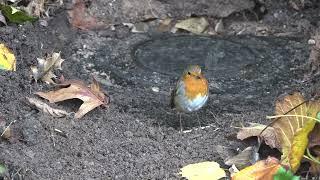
[191, 91]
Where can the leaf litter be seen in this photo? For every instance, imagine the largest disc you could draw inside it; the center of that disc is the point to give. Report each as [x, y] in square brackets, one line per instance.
[91, 96]
[46, 66]
[295, 130]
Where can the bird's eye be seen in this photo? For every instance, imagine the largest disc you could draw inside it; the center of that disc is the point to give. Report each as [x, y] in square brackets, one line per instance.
[198, 77]
[189, 73]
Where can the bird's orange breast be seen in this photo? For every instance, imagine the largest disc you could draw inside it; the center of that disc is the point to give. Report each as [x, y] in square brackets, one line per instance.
[195, 87]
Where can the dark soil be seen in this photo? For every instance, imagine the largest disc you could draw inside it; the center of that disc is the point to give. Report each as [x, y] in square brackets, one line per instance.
[137, 136]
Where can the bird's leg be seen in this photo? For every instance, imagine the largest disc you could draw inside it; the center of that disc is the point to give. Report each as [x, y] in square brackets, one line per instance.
[180, 122]
[198, 120]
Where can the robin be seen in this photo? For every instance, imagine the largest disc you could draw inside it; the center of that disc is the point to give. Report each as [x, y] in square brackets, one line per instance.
[191, 92]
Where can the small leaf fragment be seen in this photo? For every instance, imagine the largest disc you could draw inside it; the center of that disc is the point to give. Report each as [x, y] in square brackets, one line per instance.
[7, 59]
[203, 171]
[283, 174]
[15, 15]
[195, 25]
[2, 18]
[47, 109]
[44, 69]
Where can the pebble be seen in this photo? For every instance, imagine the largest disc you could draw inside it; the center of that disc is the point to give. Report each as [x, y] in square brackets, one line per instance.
[311, 41]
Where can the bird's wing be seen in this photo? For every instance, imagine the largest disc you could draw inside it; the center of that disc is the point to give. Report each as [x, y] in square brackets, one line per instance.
[177, 91]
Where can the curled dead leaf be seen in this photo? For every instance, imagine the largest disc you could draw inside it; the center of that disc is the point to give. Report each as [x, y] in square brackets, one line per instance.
[91, 96]
[46, 108]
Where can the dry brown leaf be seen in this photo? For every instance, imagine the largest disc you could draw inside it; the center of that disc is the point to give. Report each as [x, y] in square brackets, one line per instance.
[92, 96]
[262, 170]
[80, 18]
[44, 69]
[268, 135]
[293, 127]
[47, 109]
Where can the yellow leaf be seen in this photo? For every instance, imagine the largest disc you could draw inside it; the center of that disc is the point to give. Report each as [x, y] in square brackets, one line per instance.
[203, 171]
[299, 144]
[261, 170]
[194, 25]
[294, 127]
[7, 59]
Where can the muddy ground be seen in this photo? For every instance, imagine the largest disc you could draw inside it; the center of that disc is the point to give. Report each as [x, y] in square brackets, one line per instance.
[137, 136]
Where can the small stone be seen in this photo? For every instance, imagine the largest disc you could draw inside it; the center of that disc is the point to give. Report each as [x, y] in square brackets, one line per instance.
[140, 28]
[155, 89]
[43, 22]
[311, 41]
[219, 28]
[128, 134]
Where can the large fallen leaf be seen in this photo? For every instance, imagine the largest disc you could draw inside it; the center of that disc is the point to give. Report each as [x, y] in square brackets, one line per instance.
[7, 59]
[15, 15]
[261, 170]
[44, 69]
[296, 122]
[203, 171]
[195, 25]
[314, 146]
[92, 96]
[268, 135]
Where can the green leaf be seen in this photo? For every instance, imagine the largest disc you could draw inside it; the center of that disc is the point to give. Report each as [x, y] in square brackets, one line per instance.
[3, 169]
[283, 174]
[15, 15]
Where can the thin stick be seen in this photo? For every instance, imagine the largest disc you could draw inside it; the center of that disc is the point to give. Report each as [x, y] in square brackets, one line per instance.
[7, 128]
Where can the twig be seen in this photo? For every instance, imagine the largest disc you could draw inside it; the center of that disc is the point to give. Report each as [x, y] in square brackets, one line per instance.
[7, 127]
